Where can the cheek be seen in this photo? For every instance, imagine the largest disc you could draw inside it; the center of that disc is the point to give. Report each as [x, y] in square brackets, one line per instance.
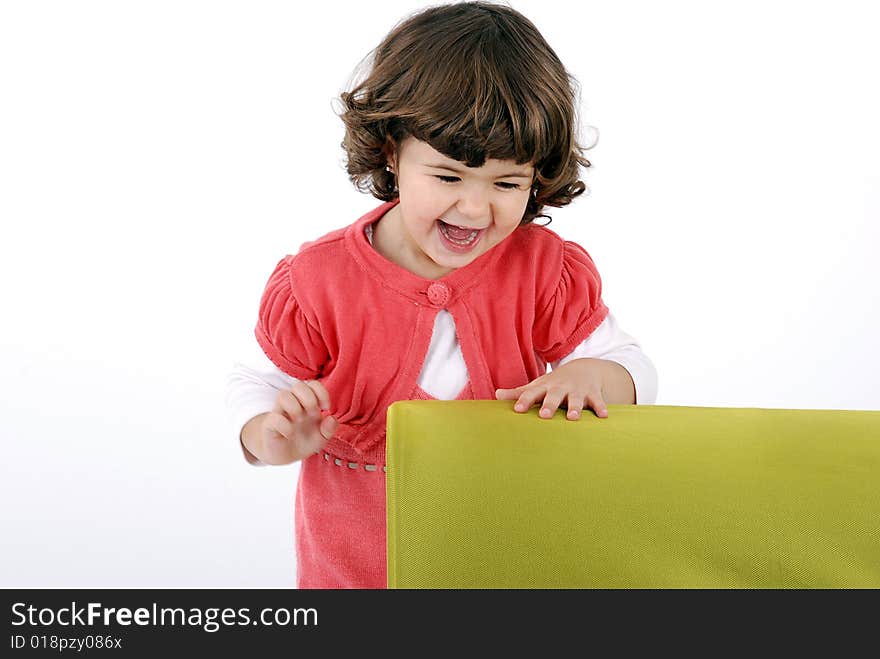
[427, 202]
[512, 215]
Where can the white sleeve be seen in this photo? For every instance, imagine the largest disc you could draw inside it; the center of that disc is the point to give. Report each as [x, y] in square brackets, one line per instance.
[609, 342]
[251, 388]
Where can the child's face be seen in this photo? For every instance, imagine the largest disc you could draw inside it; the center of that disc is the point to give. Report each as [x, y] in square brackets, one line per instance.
[451, 214]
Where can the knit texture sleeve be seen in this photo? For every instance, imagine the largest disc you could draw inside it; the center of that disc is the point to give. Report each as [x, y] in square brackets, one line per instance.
[572, 308]
[285, 332]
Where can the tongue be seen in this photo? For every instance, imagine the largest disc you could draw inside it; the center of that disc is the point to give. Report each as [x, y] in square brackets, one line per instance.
[457, 232]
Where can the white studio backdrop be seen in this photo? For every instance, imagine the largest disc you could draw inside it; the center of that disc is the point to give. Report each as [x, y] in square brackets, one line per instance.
[158, 158]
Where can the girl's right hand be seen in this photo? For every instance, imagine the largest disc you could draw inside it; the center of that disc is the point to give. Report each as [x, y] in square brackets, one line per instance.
[294, 429]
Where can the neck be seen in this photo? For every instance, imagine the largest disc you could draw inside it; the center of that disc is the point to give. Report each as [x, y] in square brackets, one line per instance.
[391, 241]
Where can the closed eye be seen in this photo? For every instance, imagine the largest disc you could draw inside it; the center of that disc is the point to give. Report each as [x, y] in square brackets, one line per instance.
[455, 179]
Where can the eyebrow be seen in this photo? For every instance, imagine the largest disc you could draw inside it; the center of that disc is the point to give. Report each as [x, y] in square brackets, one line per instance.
[458, 171]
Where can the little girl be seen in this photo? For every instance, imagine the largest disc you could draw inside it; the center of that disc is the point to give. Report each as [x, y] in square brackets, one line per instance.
[465, 129]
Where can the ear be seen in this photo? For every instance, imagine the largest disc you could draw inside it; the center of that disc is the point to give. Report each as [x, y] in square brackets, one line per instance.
[390, 152]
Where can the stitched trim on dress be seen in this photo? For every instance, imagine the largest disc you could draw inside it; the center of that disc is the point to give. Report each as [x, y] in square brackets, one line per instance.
[354, 466]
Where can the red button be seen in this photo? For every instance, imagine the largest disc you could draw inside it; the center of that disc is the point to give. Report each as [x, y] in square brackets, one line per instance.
[438, 294]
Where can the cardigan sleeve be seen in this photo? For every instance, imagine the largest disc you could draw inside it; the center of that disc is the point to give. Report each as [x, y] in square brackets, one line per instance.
[284, 331]
[572, 308]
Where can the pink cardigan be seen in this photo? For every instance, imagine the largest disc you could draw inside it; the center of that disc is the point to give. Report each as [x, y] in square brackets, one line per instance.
[341, 312]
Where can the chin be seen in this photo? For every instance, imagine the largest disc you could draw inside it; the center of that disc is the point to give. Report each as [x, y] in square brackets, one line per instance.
[456, 260]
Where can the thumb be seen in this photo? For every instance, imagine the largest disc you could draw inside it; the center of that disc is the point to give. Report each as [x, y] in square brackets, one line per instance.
[328, 426]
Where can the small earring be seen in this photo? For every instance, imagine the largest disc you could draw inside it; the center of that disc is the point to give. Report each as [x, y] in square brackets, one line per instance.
[388, 169]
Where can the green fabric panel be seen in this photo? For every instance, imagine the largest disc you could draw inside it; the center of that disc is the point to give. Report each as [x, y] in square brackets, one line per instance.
[653, 496]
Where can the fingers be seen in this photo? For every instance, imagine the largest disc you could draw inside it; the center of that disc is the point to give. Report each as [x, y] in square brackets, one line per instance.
[529, 394]
[279, 425]
[592, 400]
[295, 428]
[552, 400]
[328, 427]
[296, 415]
[321, 393]
[287, 404]
[597, 403]
[553, 397]
[312, 442]
[307, 393]
[575, 406]
[508, 394]
[528, 397]
[304, 398]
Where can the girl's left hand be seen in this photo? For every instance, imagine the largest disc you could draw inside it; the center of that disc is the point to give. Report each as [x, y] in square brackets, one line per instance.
[579, 383]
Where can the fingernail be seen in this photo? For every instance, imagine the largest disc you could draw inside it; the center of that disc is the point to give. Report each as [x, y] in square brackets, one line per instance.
[545, 412]
[519, 408]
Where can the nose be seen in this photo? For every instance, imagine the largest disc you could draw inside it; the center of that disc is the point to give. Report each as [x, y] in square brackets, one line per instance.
[473, 203]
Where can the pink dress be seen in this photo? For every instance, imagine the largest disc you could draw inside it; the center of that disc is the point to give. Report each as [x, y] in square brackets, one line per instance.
[340, 312]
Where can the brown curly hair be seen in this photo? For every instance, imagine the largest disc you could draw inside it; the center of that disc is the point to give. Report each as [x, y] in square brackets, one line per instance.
[474, 80]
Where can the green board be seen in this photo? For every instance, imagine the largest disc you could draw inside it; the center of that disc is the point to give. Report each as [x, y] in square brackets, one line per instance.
[651, 497]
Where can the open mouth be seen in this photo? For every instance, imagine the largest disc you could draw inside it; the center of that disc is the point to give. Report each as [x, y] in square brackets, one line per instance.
[459, 239]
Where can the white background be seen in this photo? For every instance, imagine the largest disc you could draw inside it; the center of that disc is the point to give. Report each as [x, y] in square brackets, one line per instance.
[158, 158]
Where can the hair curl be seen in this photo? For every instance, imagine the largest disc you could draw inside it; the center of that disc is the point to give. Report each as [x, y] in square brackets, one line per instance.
[474, 80]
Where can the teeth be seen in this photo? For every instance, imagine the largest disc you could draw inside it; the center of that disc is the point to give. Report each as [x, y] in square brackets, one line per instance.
[458, 241]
